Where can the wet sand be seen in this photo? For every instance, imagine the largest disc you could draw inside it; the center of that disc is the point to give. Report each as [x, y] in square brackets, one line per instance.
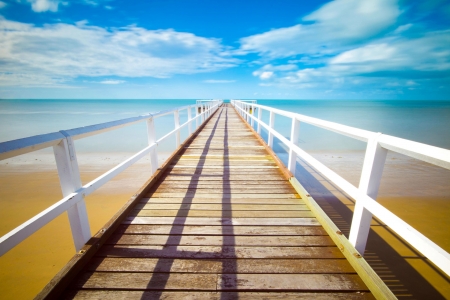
[417, 192]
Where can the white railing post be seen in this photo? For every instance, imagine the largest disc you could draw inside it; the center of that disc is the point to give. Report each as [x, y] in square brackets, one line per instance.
[253, 114]
[176, 116]
[151, 140]
[271, 123]
[258, 129]
[189, 111]
[369, 184]
[202, 111]
[69, 178]
[196, 114]
[295, 129]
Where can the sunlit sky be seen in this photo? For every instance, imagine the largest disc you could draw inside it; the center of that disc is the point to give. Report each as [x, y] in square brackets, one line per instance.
[283, 49]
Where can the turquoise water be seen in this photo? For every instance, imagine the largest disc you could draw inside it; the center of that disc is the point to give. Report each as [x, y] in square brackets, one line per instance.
[423, 121]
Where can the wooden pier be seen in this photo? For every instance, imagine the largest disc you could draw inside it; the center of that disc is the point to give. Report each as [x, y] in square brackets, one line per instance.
[220, 220]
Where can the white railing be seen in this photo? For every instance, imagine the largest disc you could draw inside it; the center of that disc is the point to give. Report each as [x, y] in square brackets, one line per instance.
[365, 195]
[69, 175]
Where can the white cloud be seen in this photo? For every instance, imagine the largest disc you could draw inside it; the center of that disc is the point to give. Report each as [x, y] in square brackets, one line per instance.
[413, 57]
[266, 75]
[112, 81]
[393, 61]
[67, 51]
[218, 81]
[2, 4]
[44, 5]
[336, 24]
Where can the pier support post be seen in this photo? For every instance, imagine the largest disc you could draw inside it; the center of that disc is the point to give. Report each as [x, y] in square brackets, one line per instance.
[176, 115]
[295, 130]
[271, 123]
[69, 178]
[151, 140]
[189, 112]
[369, 184]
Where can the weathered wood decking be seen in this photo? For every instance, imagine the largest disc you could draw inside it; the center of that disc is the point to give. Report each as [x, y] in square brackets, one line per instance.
[221, 222]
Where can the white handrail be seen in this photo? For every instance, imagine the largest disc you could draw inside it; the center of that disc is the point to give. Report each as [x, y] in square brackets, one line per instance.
[366, 206]
[73, 192]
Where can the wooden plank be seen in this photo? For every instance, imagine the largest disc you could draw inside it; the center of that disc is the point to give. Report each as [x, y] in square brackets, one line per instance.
[167, 295]
[214, 252]
[234, 207]
[231, 173]
[190, 194]
[222, 221]
[222, 177]
[146, 281]
[249, 168]
[224, 190]
[221, 163]
[223, 230]
[197, 200]
[226, 183]
[219, 213]
[228, 157]
[224, 266]
[291, 282]
[211, 240]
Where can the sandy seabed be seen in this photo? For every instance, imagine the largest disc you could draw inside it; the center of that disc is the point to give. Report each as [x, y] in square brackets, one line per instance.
[417, 192]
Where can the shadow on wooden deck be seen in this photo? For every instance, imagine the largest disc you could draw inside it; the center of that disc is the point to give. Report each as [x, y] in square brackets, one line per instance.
[403, 280]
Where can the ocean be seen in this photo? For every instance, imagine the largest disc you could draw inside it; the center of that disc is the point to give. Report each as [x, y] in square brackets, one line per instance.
[422, 121]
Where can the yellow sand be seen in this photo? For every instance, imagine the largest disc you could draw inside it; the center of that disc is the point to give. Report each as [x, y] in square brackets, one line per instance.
[27, 268]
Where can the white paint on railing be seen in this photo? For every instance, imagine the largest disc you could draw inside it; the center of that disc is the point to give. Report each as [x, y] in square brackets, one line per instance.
[152, 140]
[70, 181]
[295, 131]
[369, 184]
[66, 161]
[365, 195]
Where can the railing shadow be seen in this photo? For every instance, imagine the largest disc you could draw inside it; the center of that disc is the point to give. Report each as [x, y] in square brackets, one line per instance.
[164, 266]
[403, 280]
[228, 246]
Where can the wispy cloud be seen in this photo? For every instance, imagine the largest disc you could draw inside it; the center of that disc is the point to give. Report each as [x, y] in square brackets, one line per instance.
[2, 4]
[336, 24]
[112, 81]
[66, 51]
[218, 81]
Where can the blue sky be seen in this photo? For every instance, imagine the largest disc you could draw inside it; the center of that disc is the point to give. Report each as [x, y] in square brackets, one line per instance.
[341, 49]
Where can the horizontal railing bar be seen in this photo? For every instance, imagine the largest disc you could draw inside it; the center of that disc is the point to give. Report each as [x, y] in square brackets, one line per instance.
[82, 132]
[428, 248]
[430, 154]
[353, 132]
[95, 184]
[29, 144]
[11, 148]
[18, 234]
[424, 245]
[178, 129]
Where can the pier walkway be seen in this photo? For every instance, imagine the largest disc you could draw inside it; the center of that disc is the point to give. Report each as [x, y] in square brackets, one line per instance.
[220, 220]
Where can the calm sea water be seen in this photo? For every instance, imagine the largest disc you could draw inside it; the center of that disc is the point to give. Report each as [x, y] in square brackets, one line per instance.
[423, 121]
